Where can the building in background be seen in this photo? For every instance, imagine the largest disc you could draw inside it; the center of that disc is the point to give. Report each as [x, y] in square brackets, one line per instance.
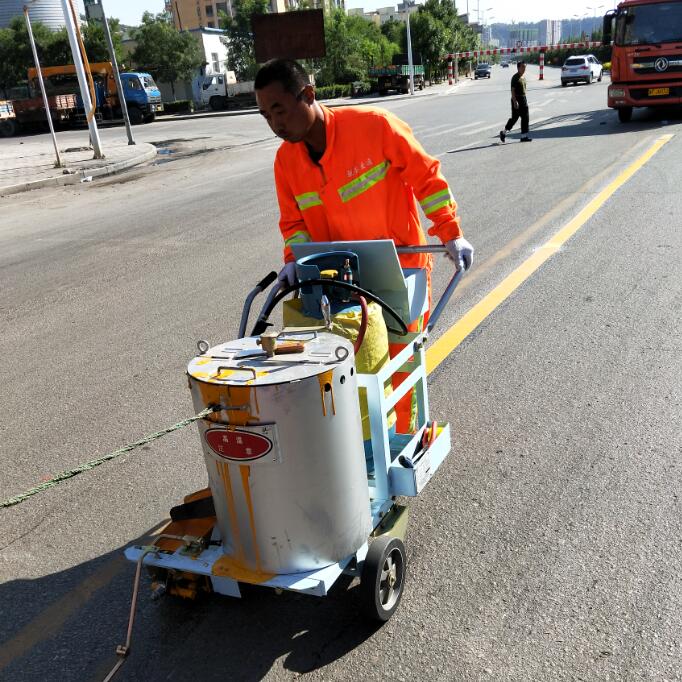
[523, 37]
[194, 14]
[549, 32]
[383, 14]
[49, 12]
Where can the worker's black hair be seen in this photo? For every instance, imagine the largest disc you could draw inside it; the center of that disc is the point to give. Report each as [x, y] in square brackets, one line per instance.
[289, 73]
[521, 63]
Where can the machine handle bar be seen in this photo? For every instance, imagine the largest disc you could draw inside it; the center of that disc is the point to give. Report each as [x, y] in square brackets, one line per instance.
[422, 248]
[261, 286]
[267, 281]
[449, 289]
[443, 300]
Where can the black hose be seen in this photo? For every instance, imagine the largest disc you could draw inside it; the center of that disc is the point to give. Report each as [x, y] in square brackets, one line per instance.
[262, 323]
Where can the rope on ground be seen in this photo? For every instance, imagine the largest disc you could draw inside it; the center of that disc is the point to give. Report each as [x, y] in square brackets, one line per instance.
[70, 473]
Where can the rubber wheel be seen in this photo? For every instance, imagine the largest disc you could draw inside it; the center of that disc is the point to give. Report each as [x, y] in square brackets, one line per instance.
[564, 84]
[150, 118]
[601, 74]
[383, 578]
[8, 127]
[625, 114]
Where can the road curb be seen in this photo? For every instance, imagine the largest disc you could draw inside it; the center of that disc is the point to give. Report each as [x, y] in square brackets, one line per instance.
[328, 103]
[75, 178]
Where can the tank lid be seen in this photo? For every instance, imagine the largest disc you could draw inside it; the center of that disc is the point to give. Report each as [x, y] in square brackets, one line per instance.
[244, 363]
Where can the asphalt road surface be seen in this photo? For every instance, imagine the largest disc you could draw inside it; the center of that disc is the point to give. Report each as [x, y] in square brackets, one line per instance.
[548, 545]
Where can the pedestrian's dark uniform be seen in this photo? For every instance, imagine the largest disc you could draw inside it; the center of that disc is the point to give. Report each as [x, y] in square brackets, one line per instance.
[518, 83]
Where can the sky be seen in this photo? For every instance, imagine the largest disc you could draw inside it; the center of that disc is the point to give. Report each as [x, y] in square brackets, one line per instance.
[505, 11]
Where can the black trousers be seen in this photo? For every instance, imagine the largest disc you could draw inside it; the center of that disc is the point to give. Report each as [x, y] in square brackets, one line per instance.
[521, 112]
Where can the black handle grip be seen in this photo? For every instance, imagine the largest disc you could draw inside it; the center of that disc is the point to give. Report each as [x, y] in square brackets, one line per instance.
[267, 280]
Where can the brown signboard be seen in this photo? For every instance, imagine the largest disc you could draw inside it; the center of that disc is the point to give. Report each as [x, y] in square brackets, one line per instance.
[292, 35]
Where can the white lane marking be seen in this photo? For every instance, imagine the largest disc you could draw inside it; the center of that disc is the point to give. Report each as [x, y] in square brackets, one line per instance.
[545, 103]
[451, 130]
[533, 125]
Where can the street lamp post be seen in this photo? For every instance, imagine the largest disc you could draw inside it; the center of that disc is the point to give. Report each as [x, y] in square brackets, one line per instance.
[46, 104]
[594, 17]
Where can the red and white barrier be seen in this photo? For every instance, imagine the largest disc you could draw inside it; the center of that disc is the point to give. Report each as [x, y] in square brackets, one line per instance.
[525, 50]
[449, 71]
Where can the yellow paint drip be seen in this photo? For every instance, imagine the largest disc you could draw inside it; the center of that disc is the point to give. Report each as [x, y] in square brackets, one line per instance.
[224, 473]
[228, 567]
[326, 378]
[246, 472]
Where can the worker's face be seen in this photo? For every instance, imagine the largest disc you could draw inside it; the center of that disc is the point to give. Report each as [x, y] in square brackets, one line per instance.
[522, 69]
[289, 116]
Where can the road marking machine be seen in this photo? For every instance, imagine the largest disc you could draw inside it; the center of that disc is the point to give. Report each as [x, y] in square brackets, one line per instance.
[305, 457]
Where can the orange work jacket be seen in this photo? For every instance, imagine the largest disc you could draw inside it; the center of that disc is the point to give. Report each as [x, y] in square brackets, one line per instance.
[367, 185]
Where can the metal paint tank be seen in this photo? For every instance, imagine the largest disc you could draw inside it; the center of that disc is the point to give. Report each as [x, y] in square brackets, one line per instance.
[284, 456]
[49, 12]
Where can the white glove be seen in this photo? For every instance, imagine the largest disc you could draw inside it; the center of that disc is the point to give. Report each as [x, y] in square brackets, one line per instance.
[460, 252]
[287, 275]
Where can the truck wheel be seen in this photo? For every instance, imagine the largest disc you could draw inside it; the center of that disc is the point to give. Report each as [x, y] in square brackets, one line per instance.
[136, 116]
[216, 103]
[625, 114]
[8, 127]
[383, 93]
[150, 118]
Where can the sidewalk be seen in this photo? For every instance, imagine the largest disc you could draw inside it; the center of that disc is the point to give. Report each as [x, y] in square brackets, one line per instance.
[430, 91]
[27, 164]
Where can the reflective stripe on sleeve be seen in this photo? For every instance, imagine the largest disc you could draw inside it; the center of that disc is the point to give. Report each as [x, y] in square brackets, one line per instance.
[435, 201]
[298, 237]
[363, 182]
[308, 200]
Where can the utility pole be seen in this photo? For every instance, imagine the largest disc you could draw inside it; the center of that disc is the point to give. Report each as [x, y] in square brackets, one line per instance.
[410, 64]
[46, 104]
[95, 10]
[82, 79]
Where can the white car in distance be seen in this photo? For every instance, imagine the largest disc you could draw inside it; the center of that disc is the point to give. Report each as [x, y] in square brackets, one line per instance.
[584, 68]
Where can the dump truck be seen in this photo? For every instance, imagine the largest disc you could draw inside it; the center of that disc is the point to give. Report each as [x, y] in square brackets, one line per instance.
[396, 76]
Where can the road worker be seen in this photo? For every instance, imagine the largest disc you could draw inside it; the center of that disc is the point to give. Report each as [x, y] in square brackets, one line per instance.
[352, 173]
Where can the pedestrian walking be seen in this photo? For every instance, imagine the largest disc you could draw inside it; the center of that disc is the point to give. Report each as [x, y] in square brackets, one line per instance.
[519, 104]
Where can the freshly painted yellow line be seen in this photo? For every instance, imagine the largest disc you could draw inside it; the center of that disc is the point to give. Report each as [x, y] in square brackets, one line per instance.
[443, 346]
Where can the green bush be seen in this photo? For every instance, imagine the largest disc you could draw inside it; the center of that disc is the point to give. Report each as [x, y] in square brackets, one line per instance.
[333, 91]
[180, 106]
[607, 66]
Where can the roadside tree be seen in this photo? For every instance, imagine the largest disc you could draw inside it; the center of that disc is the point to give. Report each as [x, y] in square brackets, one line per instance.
[168, 54]
[242, 57]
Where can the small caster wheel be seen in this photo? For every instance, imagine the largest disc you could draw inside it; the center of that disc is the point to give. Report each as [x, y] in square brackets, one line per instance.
[383, 578]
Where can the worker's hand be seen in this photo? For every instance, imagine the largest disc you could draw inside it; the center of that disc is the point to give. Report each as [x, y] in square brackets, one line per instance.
[287, 275]
[460, 252]
[515, 103]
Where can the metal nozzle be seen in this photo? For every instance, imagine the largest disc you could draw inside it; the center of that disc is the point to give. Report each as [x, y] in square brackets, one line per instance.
[326, 311]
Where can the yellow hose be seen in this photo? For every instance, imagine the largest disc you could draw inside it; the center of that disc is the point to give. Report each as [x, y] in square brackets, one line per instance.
[91, 83]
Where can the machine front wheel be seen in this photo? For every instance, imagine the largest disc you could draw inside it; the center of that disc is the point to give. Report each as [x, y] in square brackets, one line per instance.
[383, 578]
